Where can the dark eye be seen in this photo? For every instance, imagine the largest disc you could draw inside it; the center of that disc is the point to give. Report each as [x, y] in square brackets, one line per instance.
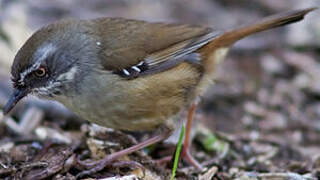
[41, 72]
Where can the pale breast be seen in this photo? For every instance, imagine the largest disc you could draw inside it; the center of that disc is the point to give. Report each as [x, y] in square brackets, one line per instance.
[139, 104]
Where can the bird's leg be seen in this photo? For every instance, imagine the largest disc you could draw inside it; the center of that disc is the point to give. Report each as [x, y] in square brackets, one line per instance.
[186, 155]
[108, 160]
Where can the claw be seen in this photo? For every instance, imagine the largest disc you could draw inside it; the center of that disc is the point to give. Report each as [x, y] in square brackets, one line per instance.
[132, 164]
[100, 165]
[109, 160]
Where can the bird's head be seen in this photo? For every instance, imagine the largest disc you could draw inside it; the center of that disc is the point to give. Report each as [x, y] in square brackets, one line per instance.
[49, 63]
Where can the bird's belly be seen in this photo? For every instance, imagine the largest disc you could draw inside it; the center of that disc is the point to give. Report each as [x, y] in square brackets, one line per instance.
[129, 115]
[143, 103]
[117, 116]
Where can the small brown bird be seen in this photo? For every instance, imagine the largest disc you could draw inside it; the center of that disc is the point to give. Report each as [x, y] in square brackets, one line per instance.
[127, 74]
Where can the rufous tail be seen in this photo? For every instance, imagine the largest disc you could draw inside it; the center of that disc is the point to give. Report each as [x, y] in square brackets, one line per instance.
[230, 37]
[215, 50]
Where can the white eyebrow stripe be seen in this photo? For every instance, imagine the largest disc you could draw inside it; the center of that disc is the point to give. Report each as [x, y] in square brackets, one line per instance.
[44, 51]
[28, 71]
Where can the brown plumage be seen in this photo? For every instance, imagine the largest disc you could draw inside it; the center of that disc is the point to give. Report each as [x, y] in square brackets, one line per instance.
[127, 74]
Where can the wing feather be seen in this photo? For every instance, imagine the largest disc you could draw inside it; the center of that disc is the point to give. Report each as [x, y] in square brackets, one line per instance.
[159, 46]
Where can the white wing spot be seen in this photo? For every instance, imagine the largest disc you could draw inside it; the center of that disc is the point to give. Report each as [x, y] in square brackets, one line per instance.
[140, 63]
[126, 72]
[136, 68]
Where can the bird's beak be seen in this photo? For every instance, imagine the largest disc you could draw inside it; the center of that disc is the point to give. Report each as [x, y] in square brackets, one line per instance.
[16, 96]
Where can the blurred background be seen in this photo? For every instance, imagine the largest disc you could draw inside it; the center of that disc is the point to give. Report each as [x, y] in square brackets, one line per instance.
[266, 95]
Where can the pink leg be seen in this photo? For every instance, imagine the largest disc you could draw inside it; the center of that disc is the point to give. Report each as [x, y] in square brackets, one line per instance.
[186, 155]
[98, 166]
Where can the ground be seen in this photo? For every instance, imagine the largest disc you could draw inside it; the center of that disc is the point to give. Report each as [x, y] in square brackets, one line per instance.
[260, 120]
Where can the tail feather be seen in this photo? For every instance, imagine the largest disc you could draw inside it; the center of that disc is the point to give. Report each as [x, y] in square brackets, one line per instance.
[216, 49]
[230, 37]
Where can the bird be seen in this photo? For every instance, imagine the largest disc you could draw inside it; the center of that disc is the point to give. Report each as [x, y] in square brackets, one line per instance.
[128, 74]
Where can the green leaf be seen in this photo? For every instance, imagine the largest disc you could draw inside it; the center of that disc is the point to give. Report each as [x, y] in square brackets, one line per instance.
[177, 154]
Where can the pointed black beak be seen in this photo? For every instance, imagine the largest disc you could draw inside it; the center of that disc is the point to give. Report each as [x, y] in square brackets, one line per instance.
[16, 96]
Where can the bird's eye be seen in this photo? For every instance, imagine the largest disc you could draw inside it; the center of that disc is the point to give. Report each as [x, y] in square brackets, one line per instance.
[41, 72]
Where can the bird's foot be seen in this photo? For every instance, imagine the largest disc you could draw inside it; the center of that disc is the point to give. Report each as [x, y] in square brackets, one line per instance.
[185, 156]
[110, 159]
[96, 166]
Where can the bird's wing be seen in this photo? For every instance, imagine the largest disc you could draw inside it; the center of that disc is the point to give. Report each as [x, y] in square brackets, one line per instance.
[133, 48]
